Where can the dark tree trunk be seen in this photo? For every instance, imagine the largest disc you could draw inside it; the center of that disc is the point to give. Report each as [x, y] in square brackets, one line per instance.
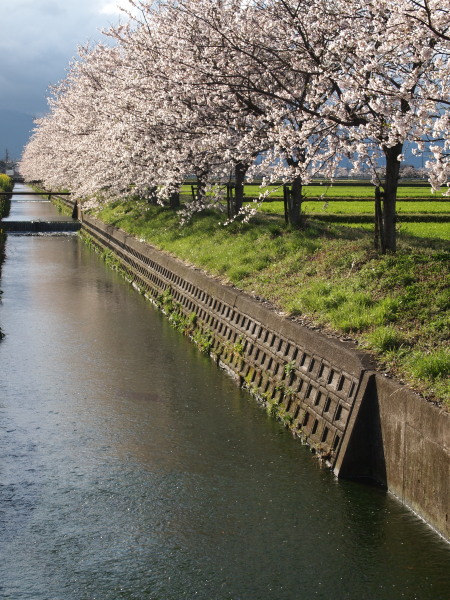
[235, 191]
[294, 196]
[295, 207]
[174, 200]
[293, 202]
[240, 171]
[152, 197]
[390, 196]
[76, 212]
[199, 191]
[379, 233]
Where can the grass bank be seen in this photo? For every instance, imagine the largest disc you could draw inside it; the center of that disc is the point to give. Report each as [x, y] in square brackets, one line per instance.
[6, 183]
[326, 276]
[6, 186]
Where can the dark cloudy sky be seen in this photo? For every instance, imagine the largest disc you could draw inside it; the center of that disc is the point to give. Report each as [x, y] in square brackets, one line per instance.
[38, 38]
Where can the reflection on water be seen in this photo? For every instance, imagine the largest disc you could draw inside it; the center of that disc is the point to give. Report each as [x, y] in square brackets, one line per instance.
[133, 468]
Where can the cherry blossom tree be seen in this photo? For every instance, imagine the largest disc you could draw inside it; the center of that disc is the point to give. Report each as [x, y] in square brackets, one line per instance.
[203, 87]
[373, 80]
[203, 119]
[428, 21]
[248, 57]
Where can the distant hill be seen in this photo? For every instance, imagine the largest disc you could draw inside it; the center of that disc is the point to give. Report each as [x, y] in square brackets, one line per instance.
[15, 130]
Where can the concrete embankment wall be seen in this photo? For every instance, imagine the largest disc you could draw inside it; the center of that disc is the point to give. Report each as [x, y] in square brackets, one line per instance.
[414, 439]
[40, 226]
[361, 423]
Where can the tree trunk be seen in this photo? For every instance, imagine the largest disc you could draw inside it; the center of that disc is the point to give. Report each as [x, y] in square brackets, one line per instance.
[240, 170]
[295, 203]
[202, 179]
[379, 232]
[390, 196]
[235, 191]
[152, 196]
[294, 196]
[174, 200]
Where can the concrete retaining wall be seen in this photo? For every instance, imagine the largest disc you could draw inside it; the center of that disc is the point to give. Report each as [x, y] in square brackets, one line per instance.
[414, 442]
[362, 424]
[40, 226]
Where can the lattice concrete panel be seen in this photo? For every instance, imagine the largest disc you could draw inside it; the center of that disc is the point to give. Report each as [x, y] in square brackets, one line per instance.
[314, 382]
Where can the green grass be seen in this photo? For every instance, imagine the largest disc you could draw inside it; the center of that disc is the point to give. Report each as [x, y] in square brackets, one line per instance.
[348, 208]
[339, 191]
[5, 206]
[6, 183]
[421, 219]
[327, 206]
[396, 307]
[335, 208]
[313, 191]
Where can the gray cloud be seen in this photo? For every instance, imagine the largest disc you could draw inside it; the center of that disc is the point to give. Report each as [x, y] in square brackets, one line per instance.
[38, 38]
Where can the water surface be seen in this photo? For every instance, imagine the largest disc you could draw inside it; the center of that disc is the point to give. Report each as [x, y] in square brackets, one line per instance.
[131, 467]
[31, 208]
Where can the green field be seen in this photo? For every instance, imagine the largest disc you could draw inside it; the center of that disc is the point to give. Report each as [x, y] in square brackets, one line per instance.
[339, 190]
[422, 219]
[346, 191]
[421, 213]
[331, 206]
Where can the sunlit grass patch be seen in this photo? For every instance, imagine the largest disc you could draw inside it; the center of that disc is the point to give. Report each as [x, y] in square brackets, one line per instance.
[432, 365]
[428, 219]
[6, 183]
[385, 339]
[436, 230]
[331, 206]
[433, 370]
[344, 191]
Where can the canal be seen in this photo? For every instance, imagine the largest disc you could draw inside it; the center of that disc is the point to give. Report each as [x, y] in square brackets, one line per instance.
[133, 468]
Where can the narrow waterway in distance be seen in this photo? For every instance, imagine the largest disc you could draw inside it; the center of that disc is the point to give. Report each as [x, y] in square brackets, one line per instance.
[131, 467]
[32, 208]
